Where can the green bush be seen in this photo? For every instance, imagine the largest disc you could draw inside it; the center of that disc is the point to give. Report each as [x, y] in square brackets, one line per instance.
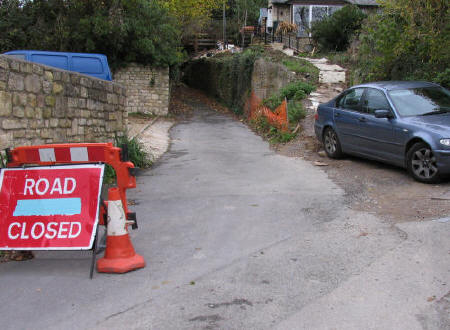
[125, 30]
[294, 91]
[296, 112]
[335, 32]
[273, 101]
[136, 154]
[405, 41]
[443, 78]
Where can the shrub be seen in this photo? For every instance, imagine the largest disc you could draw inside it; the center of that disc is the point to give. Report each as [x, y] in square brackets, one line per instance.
[406, 41]
[443, 78]
[335, 32]
[125, 30]
[136, 154]
[294, 91]
[296, 112]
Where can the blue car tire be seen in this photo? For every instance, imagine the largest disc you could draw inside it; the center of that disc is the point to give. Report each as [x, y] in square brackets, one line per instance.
[421, 163]
[331, 143]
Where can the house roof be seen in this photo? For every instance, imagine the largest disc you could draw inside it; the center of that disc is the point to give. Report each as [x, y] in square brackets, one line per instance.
[354, 2]
[363, 2]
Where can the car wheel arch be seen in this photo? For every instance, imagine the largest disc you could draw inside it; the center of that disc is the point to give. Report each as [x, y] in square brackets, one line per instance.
[325, 127]
[412, 142]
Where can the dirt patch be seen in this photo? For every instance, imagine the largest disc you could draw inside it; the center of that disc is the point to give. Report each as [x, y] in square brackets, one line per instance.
[374, 187]
[6, 256]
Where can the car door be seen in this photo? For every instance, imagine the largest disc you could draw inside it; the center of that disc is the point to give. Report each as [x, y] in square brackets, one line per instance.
[377, 134]
[346, 114]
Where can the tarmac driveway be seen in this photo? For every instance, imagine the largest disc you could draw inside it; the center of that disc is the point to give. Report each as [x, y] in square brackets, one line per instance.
[238, 237]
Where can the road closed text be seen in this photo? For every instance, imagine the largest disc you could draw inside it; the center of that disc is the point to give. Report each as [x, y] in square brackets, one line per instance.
[39, 230]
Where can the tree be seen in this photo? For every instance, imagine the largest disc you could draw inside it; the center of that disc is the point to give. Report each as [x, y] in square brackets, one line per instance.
[406, 40]
[191, 15]
[334, 32]
[125, 30]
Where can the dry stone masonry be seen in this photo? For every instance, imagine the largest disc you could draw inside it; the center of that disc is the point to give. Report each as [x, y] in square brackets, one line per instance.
[40, 105]
[147, 89]
[268, 78]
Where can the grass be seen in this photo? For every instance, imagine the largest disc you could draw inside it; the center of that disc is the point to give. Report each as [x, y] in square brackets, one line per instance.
[305, 70]
[300, 66]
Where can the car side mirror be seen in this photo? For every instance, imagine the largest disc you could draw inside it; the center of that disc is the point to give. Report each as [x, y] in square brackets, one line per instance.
[383, 114]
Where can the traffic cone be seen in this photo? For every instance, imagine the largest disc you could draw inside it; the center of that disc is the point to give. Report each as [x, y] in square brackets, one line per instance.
[120, 256]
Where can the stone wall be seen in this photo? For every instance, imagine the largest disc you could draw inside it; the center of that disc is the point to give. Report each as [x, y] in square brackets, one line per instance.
[268, 78]
[147, 88]
[41, 105]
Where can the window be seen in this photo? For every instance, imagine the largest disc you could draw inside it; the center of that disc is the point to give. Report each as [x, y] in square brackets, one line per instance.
[421, 101]
[86, 64]
[58, 61]
[375, 100]
[351, 100]
[304, 16]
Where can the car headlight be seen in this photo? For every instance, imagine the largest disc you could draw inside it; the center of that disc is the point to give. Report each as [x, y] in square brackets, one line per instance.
[445, 142]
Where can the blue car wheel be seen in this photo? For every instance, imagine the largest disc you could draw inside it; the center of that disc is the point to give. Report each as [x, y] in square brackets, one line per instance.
[422, 163]
[331, 143]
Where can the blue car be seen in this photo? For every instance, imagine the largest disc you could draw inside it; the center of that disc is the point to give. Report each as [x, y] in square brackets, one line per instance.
[405, 123]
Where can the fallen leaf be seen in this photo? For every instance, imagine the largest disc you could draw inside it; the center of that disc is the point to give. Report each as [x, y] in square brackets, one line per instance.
[430, 299]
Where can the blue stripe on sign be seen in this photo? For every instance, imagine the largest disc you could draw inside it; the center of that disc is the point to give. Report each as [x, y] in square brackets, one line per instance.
[44, 207]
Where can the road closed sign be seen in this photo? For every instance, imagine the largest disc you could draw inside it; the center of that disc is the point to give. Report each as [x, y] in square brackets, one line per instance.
[49, 208]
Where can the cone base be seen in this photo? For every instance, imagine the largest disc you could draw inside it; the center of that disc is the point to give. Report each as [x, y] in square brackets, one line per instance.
[120, 265]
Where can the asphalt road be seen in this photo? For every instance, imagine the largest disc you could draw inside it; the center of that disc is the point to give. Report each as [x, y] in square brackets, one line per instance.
[238, 237]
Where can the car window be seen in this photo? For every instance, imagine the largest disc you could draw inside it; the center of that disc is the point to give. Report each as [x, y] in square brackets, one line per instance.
[421, 101]
[351, 100]
[375, 100]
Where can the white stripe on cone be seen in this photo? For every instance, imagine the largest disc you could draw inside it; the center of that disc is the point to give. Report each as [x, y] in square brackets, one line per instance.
[116, 219]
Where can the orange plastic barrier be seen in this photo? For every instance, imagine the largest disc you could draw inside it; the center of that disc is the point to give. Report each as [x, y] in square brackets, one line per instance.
[277, 118]
[79, 153]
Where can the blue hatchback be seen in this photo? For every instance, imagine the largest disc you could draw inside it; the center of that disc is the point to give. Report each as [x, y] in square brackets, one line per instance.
[405, 123]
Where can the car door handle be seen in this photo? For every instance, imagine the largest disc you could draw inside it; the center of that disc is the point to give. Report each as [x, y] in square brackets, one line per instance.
[362, 119]
[337, 114]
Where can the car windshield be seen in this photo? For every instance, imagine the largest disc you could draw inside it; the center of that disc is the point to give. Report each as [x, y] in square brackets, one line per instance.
[421, 101]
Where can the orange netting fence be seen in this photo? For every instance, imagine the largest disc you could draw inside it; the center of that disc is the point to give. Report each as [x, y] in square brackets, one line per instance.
[278, 118]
